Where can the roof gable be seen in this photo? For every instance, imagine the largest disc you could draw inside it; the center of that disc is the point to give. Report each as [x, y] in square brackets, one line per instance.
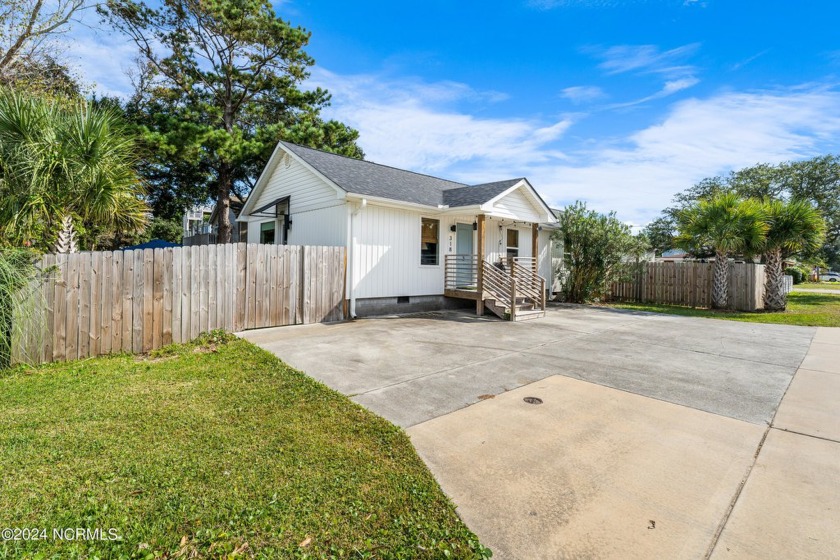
[365, 178]
[518, 204]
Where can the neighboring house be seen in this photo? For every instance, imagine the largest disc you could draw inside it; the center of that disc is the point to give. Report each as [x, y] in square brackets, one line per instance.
[205, 231]
[196, 221]
[673, 255]
[411, 239]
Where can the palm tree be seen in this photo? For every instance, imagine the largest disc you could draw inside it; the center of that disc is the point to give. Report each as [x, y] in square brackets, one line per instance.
[792, 227]
[63, 166]
[727, 225]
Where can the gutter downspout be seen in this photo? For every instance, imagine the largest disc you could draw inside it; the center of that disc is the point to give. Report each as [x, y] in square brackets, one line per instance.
[351, 261]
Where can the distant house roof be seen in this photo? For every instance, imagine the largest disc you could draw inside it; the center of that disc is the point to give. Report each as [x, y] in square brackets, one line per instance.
[153, 244]
[674, 253]
[373, 179]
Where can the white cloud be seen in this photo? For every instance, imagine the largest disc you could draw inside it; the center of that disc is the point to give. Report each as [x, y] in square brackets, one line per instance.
[639, 175]
[100, 55]
[645, 59]
[582, 94]
[551, 4]
[671, 87]
[417, 125]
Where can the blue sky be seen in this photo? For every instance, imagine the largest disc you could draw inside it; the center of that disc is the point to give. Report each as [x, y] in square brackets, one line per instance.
[621, 103]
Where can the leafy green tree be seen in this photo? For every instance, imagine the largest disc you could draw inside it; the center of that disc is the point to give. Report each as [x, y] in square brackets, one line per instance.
[168, 230]
[660, 233]
[45, 77]
[64, 167]
[221, 87]
[792, 227]
[595, 246]
[816, 180]
[726, 224]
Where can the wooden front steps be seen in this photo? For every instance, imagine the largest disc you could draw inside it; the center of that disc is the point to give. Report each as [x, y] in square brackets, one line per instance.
[525, 309]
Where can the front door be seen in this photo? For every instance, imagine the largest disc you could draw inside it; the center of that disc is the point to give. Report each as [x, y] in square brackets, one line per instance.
[464, 249]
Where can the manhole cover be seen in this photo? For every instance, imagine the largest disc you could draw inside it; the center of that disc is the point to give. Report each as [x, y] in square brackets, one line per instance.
[533, 400]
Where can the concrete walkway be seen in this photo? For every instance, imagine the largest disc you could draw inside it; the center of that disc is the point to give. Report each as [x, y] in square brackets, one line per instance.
[658, 436]
[789, 505]
[595, 472]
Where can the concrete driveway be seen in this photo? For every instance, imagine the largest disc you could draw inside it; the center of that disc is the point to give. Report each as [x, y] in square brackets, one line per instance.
[654, 437]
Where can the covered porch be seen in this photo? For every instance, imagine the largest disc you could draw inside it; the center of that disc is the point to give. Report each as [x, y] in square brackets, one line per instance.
[495, 261]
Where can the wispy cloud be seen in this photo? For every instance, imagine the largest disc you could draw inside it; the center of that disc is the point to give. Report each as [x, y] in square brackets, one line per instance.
[671, 87]
[551, 4]
[420, 126]
[648, 60]
[582, 94]
[741, 64]
[636, 175]
[645, 59]
[639, 174]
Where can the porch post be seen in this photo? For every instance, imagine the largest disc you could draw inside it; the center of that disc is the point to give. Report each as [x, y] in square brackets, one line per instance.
[479, 304]
[535, 246]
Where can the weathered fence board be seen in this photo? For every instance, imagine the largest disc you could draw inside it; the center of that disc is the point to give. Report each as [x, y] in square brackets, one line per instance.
[135, 301]
[690, 284]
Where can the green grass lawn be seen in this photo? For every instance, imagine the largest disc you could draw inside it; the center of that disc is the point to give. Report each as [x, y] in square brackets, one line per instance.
[805, 309]
[211, 450]
[822, 285]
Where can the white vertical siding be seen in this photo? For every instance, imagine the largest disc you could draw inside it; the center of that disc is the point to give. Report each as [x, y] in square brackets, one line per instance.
[307, 190]
[544, 262]
[326, 226]
[496, 238]
[387, 254]
[317, 211]
[516, 206]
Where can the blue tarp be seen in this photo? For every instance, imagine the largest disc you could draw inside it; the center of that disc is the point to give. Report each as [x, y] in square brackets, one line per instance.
[153, 244]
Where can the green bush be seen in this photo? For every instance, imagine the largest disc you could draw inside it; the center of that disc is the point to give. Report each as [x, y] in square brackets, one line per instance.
[798, 275]
[17, 270]
[597, 246]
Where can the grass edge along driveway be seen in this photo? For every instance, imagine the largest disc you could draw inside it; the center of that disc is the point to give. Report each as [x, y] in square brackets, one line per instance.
[214, 449]
[805, 309]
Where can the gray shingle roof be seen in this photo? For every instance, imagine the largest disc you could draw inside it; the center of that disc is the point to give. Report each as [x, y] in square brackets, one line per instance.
[372, 179]
[477, 194]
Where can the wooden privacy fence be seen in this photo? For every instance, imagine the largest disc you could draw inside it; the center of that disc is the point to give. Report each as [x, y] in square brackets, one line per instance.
[97, 303]
[690, 284]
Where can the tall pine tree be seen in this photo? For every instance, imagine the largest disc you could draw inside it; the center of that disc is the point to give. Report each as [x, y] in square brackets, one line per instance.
[221, 85]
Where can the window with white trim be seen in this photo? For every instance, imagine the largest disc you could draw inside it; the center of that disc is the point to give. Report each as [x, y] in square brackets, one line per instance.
[429, 241]
[512, 243]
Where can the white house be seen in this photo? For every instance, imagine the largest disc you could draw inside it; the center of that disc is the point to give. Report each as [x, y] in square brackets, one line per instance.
[414, 242]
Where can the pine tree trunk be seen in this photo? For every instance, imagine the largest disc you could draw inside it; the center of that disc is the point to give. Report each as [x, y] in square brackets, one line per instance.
[720, 287]
[775, 298]
[223, 204]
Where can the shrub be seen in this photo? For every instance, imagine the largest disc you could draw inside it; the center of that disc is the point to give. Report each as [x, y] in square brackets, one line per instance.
[798, 275]
[17, 271]
[596, 246]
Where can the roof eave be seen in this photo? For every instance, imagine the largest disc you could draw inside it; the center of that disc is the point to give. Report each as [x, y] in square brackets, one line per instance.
[382, 201]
